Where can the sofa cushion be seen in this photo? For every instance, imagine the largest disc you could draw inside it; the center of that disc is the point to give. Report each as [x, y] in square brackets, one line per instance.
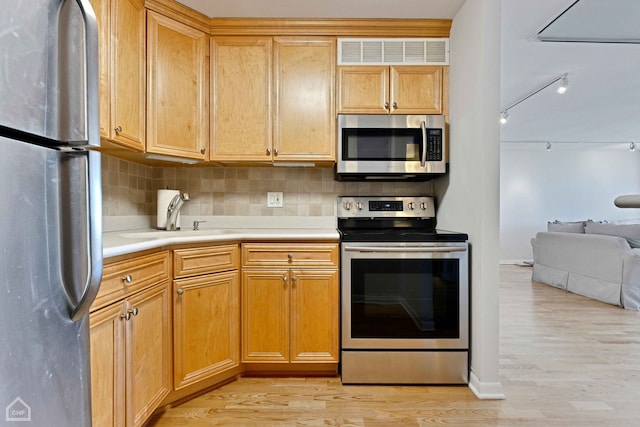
[631, 232]
[566, 227]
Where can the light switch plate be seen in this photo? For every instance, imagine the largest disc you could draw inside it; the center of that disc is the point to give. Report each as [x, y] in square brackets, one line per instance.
[275, 199]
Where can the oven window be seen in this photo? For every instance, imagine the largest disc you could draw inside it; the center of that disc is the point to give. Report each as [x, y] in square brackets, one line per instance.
[405, 298]
[381, 144]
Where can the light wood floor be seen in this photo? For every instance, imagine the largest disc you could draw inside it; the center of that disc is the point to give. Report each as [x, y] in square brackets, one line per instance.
[565, 360]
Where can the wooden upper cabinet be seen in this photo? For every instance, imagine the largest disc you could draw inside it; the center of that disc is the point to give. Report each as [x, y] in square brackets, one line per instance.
[363, 90]
[122, 41]
[304, 113]
[416, 90]
[390, 90]
[178, 88]
[273, 99]
[241, 98]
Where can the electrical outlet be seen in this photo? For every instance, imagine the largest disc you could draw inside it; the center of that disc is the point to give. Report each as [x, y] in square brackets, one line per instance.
[275, 199]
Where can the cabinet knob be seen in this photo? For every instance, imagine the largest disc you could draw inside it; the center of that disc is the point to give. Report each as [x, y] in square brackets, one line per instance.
[285, 279]
[294, 279]
[268, 151]
[180, 291]
[290, 256]
[394, 105]
[386, 105]
[275, 152]
[125, 316]
[134, 311]
[118, 129]
[202, 150]
[127, 278]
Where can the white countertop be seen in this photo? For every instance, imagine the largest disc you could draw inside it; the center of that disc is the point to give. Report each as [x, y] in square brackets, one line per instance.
[121, 242]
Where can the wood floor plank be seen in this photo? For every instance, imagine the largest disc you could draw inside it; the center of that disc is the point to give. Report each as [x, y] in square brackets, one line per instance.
[565, 360]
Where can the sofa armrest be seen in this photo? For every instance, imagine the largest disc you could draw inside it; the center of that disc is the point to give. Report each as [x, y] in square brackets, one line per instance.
[592, 255]
[630, 297]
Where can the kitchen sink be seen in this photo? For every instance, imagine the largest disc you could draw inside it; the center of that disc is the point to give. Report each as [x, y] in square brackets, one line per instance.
[153, 234]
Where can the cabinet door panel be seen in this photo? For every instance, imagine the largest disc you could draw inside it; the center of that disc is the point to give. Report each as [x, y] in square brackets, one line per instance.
[206, 327]
[314, 316]
[305, 107]
[241, 98]
[128, 75]
[265, 316]
[178, 93]
[107, 367]
[363, 89]
[148, 352]
[416, 90]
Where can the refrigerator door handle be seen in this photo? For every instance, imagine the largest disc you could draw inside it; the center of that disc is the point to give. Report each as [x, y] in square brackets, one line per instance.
[94, 238]
[93, 178]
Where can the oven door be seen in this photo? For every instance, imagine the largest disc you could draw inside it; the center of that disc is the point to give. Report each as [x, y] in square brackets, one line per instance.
[405, 295]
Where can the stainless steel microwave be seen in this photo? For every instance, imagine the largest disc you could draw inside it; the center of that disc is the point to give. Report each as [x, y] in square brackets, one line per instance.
[391, 147]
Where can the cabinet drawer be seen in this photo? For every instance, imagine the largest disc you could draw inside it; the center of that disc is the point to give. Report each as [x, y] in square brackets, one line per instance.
[213, 259]
[120, 279]
[262, 254]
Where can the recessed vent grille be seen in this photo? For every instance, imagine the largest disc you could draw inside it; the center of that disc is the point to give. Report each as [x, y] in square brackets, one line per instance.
[393, 51]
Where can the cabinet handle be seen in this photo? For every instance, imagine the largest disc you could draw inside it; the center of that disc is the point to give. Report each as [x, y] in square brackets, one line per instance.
[294, 279]
[285, 279]
[290, 256]
[395, 105]
[118, 129]
[127, 278]
[125, 316]
[275, 152]
[268, 151]
[202, 150]
[134, 311]
[180, 291]
[386, 105]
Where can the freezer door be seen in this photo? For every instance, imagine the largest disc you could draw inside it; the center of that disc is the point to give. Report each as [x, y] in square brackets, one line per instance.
[44, 368]
[46, 82]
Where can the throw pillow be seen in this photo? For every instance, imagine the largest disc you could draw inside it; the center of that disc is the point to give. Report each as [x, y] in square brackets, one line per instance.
[566, 227]
[631, 232]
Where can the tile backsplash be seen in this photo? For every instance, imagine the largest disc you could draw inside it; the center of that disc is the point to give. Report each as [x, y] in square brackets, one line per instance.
[130, 189]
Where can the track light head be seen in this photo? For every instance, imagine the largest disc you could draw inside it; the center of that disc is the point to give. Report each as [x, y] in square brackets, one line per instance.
[563, 84]
[504, 116]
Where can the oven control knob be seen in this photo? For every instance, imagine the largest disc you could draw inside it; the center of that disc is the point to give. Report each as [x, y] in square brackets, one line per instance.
[346, 206]
[411, 206]
[423, 206]
[359, 206]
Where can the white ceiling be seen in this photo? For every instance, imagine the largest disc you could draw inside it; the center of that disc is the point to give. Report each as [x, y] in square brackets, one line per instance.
[602, 103]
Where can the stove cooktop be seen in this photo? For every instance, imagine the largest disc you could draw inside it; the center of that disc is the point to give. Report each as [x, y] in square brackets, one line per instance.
[401, 235]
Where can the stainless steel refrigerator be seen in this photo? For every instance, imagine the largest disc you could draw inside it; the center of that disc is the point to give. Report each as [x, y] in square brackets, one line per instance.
[50, 210]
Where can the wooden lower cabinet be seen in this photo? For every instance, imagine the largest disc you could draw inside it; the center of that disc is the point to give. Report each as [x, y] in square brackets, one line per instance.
[290, 315]
[206, 326]
[130, 358]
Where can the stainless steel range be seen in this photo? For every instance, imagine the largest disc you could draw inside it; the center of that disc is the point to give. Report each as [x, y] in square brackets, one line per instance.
[405, 293]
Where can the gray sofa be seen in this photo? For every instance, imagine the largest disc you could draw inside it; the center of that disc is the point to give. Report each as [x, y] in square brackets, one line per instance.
[599, 266]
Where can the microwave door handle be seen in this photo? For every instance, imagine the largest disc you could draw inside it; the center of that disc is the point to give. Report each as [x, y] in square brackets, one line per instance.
[423, 158]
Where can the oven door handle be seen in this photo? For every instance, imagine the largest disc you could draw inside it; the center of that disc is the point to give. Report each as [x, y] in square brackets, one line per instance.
[404, 249]
[423, 159]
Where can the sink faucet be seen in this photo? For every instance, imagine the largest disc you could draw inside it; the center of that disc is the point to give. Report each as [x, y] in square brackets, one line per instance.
[174, 209]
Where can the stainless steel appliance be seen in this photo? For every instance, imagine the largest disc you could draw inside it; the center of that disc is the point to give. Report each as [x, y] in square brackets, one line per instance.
[51, 210]
[391, 147]
[405, 293]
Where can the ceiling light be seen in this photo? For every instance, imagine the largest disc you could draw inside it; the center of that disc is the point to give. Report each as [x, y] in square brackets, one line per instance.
[504, 115]
[632, 146]
[564, 84]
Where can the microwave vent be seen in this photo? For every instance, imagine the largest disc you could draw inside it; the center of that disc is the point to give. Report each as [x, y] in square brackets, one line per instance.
[429, 51]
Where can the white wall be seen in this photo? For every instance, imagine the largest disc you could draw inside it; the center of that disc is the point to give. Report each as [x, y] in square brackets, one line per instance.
[469, 196]
[571, 182]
